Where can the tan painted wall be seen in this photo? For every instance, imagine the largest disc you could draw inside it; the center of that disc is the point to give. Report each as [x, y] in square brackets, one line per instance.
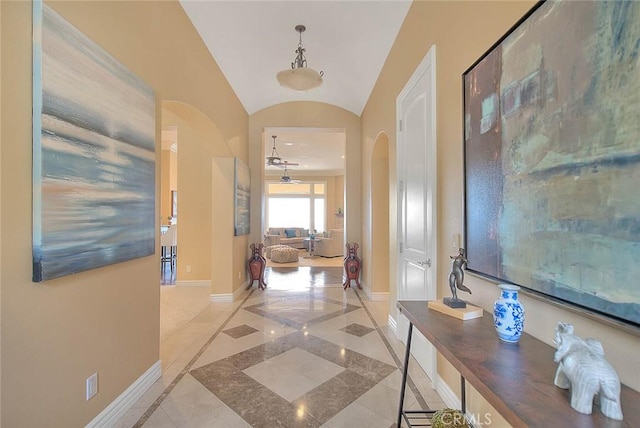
[313, 115]
[1, 258]
[56, 334]
[376, 186]
[462, 31]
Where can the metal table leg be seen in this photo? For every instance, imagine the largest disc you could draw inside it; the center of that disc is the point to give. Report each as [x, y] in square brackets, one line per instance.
[463, 396]
[405, 370]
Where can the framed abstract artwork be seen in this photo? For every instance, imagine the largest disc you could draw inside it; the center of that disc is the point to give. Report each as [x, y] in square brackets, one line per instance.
[552, 158]
[93, 154]
[242, 188]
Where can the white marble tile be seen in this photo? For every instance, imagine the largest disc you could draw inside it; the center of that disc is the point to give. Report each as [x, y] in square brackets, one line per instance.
[384, 401]
[355, 415]
[190, 404]
[130, 418]
[159, 419]
[293, 373]
[290, 374]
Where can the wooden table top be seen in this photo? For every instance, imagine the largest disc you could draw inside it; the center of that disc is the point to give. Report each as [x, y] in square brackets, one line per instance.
[516, 379]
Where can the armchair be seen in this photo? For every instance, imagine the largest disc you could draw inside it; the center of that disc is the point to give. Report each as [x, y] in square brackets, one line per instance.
[332, 246]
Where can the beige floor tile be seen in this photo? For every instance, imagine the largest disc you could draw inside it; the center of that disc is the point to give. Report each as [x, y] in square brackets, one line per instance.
[384, 401]
[159, 419]
[356, 415]
[130, 418]
[190, 404]
[302, 379]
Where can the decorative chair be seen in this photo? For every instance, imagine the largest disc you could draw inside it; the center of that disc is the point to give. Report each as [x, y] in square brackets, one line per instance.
[169, 244]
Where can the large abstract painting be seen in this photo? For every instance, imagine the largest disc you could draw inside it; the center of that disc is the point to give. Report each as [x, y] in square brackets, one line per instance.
[552, 157]
[242, 197]
[93, 154]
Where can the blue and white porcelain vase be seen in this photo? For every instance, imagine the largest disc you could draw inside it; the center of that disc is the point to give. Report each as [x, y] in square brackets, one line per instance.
[508, 314]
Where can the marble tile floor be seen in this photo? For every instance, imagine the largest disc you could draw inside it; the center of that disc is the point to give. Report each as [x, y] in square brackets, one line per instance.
[302, 353]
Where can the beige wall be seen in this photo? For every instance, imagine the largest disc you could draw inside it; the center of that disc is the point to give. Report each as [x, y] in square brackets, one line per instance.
[1, 193]
[462, 31]
[376, 208]
[55, 334]
[307, 115]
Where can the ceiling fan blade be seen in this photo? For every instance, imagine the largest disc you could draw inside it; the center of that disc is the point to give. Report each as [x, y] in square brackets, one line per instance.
[284, 164]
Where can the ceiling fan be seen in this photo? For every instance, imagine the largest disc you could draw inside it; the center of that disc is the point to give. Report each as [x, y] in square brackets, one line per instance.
[286, 178]
[275, 159]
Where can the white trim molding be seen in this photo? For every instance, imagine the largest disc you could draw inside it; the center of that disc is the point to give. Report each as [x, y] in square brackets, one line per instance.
[379, 297]
[194, 283]
[222, 298]
[446, 393]
[121, 405]
[393, 325]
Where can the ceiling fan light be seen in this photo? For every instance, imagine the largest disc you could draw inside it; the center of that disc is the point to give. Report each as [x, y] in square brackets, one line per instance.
[299, 79]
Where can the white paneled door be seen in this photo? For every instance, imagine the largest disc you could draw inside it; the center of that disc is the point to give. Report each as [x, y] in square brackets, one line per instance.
[416, 254]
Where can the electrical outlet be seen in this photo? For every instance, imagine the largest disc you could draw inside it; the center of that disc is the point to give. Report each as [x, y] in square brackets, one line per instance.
[92, 386]
[188, 268]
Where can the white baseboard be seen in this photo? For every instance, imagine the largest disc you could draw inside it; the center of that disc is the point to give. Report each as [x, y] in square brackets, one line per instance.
[446, 393]
[379, 297]
[194, 283]
[393, 325]
[229, 297]
[222, 298]
[121, 405]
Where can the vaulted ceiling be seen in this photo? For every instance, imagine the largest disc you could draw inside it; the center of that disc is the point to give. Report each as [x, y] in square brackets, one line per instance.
[252, 40]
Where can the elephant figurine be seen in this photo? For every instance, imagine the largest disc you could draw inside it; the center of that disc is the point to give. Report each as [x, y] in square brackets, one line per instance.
[583, 368]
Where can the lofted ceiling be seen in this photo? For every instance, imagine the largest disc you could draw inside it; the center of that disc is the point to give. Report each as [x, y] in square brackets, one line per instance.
[316, 151]
[252, 40]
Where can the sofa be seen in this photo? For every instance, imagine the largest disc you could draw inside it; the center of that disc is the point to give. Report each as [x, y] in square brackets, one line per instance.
[332, 245]
[291, 236]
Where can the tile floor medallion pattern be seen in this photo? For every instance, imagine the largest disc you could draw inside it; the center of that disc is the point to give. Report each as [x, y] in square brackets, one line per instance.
[309, 355]
[240, 331]
[288, 391]
[357, 329]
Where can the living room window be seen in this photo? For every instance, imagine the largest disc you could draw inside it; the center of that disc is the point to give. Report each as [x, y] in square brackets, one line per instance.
[296, 205]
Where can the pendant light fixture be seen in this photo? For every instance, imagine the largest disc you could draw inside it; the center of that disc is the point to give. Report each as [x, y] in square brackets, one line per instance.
[299, 77]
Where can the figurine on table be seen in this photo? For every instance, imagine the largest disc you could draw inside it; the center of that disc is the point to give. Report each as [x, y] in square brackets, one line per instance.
[455, 280]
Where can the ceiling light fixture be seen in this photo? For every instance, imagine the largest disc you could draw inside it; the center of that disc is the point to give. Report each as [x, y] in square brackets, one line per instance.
[299, 77]
[275, 158]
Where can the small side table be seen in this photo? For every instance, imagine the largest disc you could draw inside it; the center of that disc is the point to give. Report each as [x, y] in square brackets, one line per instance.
[310, 245]
[256, 265]
[352, 266]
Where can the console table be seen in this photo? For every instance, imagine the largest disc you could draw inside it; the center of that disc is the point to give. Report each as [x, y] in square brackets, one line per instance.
[516, 379]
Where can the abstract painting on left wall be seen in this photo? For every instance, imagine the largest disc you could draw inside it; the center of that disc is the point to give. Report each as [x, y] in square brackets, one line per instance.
[93, 154]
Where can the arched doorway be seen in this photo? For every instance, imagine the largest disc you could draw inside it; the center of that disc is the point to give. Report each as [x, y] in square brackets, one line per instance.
[199, 144]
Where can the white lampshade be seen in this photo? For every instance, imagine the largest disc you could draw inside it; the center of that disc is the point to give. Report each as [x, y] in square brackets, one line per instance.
[299, 79]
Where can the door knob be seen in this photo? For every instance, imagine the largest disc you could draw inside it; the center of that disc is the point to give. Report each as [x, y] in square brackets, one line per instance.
[426, 262]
